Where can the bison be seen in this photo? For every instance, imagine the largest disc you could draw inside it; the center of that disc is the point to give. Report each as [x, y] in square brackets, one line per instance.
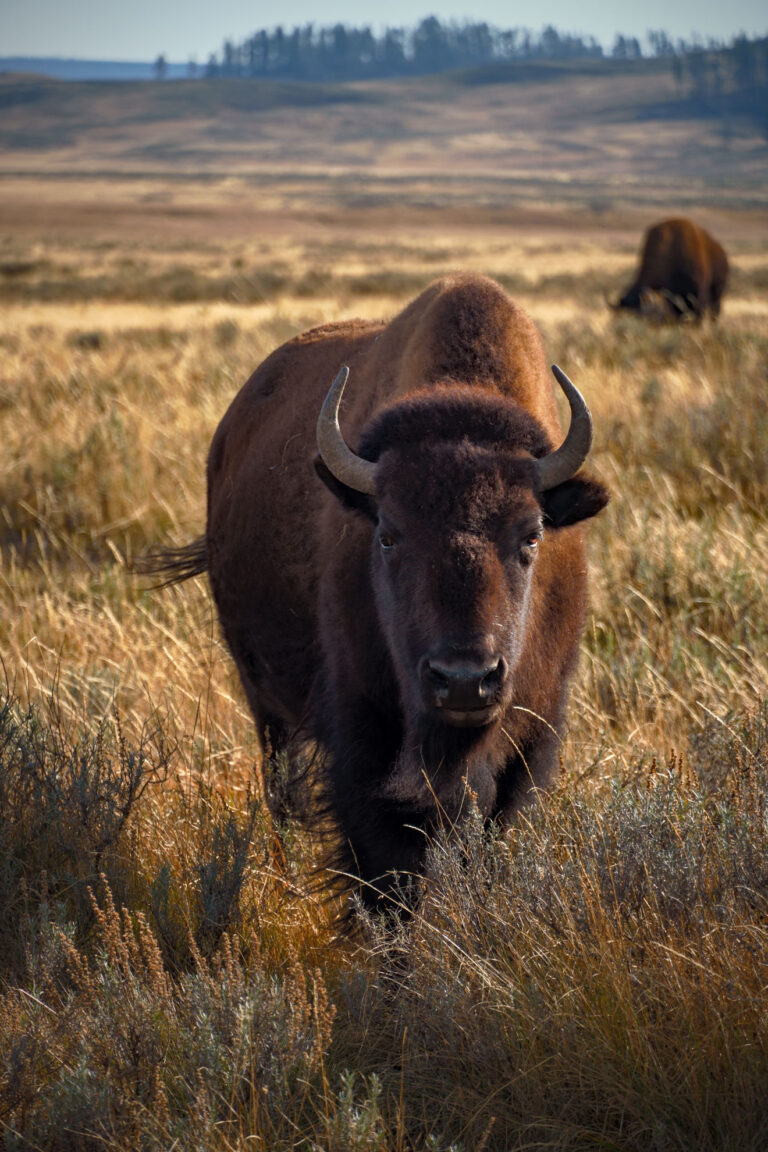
[683, 273]
[412, 605]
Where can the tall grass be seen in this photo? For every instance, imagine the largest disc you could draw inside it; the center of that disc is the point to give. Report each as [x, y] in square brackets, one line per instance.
[172, 974]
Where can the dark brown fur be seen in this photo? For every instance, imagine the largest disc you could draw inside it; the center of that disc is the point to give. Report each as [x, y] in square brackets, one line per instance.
[329, 628]
[682, 268]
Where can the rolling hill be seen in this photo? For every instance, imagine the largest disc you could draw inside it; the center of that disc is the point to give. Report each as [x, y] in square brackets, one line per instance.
[598, 127]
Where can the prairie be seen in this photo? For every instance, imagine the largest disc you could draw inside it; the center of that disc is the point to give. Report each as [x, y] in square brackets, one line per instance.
[171, 972]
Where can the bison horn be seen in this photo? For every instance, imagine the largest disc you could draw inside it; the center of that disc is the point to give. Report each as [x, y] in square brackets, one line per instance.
[560, 465]
[334, 451]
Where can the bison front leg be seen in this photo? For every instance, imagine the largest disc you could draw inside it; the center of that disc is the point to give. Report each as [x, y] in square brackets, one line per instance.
[528, 772]
[381, 842]
[384, 858]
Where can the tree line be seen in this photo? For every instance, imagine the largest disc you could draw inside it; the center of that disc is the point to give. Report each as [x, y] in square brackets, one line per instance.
[340, 52]
[731, 78]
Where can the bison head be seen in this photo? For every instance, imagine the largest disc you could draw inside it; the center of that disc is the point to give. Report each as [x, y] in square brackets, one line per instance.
[463, 490]
[658, 305]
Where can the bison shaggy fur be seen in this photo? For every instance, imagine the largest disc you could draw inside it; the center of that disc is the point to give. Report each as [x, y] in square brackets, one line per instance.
[421, 636]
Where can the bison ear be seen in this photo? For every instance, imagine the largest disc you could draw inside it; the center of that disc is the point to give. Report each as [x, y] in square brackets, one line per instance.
[350, 497]
[572, 501]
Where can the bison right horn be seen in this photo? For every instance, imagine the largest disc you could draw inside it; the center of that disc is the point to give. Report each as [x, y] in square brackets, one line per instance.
[334, 451]
[565, 462]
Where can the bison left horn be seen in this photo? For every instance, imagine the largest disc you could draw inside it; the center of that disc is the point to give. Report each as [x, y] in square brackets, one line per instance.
[560, 465]
[335, 453]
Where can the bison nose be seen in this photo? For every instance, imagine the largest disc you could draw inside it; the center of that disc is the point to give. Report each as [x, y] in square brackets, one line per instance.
[464, 685]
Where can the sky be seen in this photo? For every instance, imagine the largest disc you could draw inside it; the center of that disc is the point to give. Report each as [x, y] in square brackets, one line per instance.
[192, 29]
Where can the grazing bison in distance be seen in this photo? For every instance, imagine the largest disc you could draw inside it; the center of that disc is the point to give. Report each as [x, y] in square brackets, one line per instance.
[683, 272]
[418, 613]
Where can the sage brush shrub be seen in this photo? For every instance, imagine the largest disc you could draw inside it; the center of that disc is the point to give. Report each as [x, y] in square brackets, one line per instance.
[65, 802]
[221, 872]
[71, 820]
[120, 1053]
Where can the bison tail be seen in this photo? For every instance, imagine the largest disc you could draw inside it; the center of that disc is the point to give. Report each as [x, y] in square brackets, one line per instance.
[174, 565]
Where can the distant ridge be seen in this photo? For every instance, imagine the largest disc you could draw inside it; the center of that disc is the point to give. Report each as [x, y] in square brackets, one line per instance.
[62, 68]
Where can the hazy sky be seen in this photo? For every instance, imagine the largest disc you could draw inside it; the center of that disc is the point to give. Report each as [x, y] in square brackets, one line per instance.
[183, 29]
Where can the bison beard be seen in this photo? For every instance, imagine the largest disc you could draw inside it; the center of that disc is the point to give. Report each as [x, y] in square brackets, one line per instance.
[418, 614]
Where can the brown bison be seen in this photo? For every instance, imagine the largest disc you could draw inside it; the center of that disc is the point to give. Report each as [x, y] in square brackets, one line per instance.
[417, 614]
[683, 272]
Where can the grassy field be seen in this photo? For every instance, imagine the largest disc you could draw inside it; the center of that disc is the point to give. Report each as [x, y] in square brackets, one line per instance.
[171, 975]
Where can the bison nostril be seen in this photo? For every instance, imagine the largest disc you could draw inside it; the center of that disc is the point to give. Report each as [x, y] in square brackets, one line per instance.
[493, 678]
[439, 673]
[464, 684]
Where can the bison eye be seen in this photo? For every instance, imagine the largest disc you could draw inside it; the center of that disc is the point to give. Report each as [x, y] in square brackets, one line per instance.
[529, 546]
[386, 542]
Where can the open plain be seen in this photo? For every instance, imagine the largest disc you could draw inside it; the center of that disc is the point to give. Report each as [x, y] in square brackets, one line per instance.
[171, 974]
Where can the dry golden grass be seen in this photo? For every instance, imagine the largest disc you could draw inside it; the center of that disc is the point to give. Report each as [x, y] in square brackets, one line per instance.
[108, 409]
[593, 980]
